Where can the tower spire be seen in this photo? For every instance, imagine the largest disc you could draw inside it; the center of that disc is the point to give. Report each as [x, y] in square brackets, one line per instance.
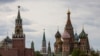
[44, 35]
[69, 21]
[18, 16]
[43, 51]
[18, 28]
[83, 28]
[68, 26]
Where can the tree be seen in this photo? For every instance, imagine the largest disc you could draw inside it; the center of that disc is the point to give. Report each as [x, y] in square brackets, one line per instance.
[94, 53]
[37, 53]
[75, 52]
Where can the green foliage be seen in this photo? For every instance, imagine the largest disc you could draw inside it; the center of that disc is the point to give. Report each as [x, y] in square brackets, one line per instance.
[37, 53]
[75, 52]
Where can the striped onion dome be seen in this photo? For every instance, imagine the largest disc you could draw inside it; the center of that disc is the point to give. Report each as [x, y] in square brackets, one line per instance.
[66, 35]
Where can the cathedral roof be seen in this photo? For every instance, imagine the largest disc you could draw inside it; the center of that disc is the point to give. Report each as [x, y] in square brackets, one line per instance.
[8, 40]
[69, 24]
[58, 35]
[66, 35]
[83, 34]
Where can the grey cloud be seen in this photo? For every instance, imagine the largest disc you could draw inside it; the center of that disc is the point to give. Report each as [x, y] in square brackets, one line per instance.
[5, 9]
[6, 1]
[30, 30]
[92, 24]
[24, 9]
[3, 30]
[26, 21]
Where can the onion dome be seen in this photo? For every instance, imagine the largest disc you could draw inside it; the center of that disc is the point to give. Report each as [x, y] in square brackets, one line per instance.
[83, 34]
[58, 35]
[66, 35]
[7, 40]
[76, 37]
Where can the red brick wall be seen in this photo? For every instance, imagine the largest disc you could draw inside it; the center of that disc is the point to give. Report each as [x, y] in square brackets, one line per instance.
[8, 52]
[29, 52]
[19, 43]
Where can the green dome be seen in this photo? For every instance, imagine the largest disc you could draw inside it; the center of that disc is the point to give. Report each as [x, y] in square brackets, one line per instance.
[83, 34]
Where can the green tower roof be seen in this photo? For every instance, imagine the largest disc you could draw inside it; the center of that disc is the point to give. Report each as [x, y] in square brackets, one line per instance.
[44, 36]
[32, 45]
[83, 34]
[49, 47]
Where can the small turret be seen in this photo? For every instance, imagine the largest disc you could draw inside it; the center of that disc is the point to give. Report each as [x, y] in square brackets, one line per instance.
[32, 45]
[49, 49]
[76, 37]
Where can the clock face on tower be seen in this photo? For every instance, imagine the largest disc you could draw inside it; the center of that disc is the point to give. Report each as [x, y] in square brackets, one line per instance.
[18, 30]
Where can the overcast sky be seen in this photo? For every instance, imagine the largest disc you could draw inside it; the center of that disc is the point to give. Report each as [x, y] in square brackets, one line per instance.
[48, 14]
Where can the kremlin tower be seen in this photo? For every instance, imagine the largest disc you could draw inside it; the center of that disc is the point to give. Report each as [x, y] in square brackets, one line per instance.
[16, 45]
[44, 50]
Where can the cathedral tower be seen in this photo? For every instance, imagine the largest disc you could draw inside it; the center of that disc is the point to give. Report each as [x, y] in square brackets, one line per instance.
[84, 42]
[69, 29]
[18, 38]
[66, 44]
[58, 43]
[68, 26]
